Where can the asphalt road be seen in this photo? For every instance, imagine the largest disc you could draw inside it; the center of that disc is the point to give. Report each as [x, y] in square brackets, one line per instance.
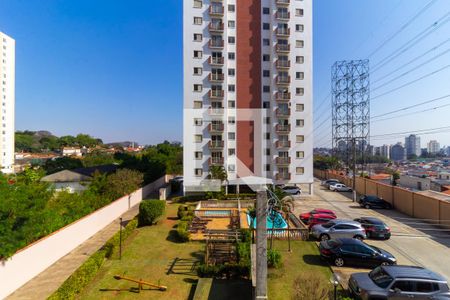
[413, 242]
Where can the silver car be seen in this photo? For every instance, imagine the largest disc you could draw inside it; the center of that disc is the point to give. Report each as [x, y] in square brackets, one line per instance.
[339, 187]
[338, 228]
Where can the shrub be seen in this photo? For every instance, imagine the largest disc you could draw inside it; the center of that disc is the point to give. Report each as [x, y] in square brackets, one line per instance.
[273, 258]
[182, 231]
[150, 211]
[187, 218]
[243, 251]
[221, 271]
[184, 210]
[246, 235]
[310, 286]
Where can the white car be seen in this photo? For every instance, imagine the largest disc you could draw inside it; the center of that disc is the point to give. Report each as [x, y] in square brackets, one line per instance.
[339, 187]
[292, 190]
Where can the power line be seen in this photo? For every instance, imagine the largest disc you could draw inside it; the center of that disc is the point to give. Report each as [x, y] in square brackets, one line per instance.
[412, 113]
[445, 128]
[411, 82]
[412, 19]
[322, 102]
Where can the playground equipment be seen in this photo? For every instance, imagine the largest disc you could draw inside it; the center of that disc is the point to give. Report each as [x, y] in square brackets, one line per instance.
[141, 283]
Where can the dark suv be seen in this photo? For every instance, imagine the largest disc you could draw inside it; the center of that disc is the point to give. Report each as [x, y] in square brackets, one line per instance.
[369, 201]
[398, 282]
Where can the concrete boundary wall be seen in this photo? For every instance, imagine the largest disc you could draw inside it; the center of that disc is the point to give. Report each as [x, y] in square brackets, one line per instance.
[413, 204]
[38, 256]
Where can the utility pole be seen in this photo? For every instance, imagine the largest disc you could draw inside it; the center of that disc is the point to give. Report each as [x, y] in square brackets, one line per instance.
[354, 169]
[261, 246]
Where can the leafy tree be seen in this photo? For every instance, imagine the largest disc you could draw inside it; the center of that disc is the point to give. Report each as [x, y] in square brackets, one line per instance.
[50, 143]
[123, 182]
[62, 163]
[97, 158]
[326, 162]
[67, 141]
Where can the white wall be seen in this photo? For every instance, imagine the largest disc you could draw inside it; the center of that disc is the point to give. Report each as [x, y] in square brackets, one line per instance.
[35, 258]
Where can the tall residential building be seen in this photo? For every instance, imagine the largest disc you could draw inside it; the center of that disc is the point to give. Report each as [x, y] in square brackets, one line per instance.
[398, 152]
[433, 147]
[7, 98]
[385, 151]
[248, 89]
[412, 145]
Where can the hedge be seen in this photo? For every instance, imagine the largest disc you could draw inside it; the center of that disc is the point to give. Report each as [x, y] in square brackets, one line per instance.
[223, 271]
[86, 272]
[150, 211]
[182, 231]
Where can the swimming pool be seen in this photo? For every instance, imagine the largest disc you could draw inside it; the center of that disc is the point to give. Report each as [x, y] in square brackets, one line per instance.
[217, 213]
[279, 222]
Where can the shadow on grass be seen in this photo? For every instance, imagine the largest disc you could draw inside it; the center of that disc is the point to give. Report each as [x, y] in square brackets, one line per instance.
[173, 218]
[192, 290]
[199, 255]
[173, 237]
[314, 260]
[130, 290]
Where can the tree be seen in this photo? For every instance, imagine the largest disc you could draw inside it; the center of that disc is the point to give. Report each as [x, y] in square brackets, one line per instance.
[218, 172]
[122, 183]
[287, 204]
[62, 163]
[97, 158]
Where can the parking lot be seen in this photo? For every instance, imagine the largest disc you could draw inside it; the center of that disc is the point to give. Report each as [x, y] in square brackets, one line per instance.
[413, 241]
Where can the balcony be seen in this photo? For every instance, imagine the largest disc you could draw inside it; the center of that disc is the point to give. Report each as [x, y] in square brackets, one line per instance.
[215, 161]
[215, 77]
[283, 144]
[215, 61]
[214, 111]
[215, 27]
[215, 44]
[215, 127]
[282, 112]
[283, 80]
[283, 160]
[215, 144]
[283, 48]
[282, 2]
[282, 96]
[282, 15]
[283, 176]
[282, 128]
[283, 64]
[216, 10]
[215, 94]
[283, 32]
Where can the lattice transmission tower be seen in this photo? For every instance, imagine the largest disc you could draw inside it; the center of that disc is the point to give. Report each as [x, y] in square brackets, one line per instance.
[350, 109]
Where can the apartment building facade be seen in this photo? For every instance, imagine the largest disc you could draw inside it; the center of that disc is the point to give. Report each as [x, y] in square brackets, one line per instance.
[248, 89]
[7, 100]
[412, 145]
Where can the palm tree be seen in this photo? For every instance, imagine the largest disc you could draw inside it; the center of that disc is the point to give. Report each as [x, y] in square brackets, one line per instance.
[287, 204]
[284, 203]
[218, 172]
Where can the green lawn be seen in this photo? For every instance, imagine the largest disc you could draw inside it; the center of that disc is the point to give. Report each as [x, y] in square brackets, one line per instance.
[148, 254]
[303, 258]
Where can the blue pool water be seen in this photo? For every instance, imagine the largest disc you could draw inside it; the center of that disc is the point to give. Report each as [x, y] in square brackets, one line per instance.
[221, 213]
[279, 222]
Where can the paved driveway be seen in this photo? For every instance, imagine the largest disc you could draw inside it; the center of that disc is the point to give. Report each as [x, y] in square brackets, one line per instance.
[413, 241]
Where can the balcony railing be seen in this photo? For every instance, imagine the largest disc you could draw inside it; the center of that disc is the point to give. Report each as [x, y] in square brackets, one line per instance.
[215, 144]
[283, 128]
[282, 15]
[282, 96]
[283, 64]
[216, 10]
[216, 61]
[213, 111]
[283, 144]
[215, 27]
[215, 127]
[283, 160]
[283, 80]
[283, 48]
[216, 94]
[282, 2]
[283, 176]
[215, 77]
[215, 44]
[215, 161]
[282, 112]
[283, 31]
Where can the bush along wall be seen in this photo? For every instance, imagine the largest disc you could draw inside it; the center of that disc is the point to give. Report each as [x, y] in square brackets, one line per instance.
[150, 211]
[86, 272]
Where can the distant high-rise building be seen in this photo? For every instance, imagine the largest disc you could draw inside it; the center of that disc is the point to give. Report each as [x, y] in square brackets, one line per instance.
[385, 151]
[412, 145]
[398, 152]
[7, 99]
[433, 147]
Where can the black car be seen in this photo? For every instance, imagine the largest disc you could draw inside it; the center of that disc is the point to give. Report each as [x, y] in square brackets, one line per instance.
[348, 251]
[369, 201]
[375, 228]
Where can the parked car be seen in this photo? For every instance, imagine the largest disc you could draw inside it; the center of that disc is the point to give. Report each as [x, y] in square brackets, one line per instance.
[398, 282]
[369, 201]
[354, 252]
[375, 228]
[292, 190]
[320, 219]
[305, 216]
[338, 228]
[340, 187]
[327, 182]
[178, 179]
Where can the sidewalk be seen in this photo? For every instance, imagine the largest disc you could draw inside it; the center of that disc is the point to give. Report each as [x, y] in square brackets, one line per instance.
[47, 282]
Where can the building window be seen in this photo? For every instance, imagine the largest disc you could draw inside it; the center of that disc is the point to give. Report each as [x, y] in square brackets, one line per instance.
[266, 88]
[198, 172]
[266, 26]
[299, 107]
[300, 154]
[198, 104]
[299, 138]
[231, 24]
[266, 57]
[231, 104]
[198, 138]
[300, 91]
[266, 10]
[198, 87]
[299, 122]
[231, 55]
[231, 136]
[299, 170]
[231, 72]
[198, 37]
[266, 42]
[231, 8]
[299, 12]
[267, 167]
[231, 120]
[299, 27]
[198, 54]
[231, 151]
[299, 43]
[266, 104]
[299, 59]
[198, 21]
[267, 151]
[198, 3]
[198, 122]
[231, 168]
[198, 71]
[267, 135]
[299, 75]
[266, 120]
[231, 40]
[231, 87]
[198, 155]
[266, 73]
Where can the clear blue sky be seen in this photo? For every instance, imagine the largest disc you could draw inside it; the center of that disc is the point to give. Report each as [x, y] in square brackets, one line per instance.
[113, 69]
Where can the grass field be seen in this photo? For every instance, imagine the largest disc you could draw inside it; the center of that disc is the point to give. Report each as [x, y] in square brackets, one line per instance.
[148, 255]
